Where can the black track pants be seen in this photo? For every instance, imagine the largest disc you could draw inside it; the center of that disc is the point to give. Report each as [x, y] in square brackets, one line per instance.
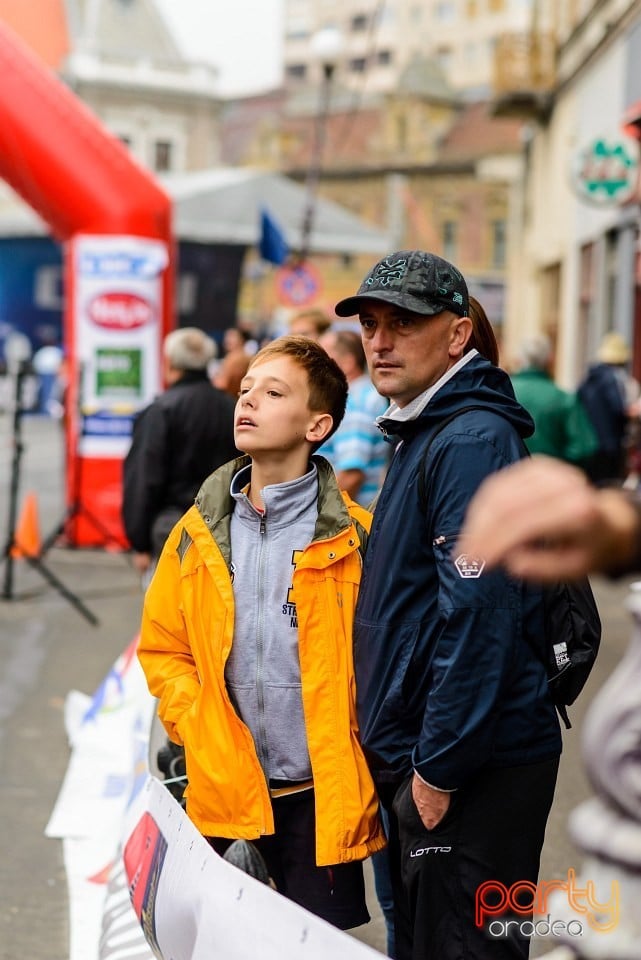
[493, 831]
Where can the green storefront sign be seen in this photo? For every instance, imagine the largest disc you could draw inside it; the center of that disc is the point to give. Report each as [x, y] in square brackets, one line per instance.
[606, 172]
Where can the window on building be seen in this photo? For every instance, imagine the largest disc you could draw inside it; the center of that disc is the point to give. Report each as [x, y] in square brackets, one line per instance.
[359, 23]
[384, 58]
[587, 297]
[611, 273]
[449, 237]
[416, 14]
[401, 131]
[471, 9]
[296, 71]
[471, 53]
[163, 155]
[445, 11]
[444, 58]
[551, 301]
[495, 6]
[295, 34]
[498, 244]
[358, 64]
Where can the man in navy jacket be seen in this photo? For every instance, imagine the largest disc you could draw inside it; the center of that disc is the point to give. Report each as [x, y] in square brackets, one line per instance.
[455, 716]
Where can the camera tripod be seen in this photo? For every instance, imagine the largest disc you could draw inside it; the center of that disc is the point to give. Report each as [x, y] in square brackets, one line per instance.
[33, 559]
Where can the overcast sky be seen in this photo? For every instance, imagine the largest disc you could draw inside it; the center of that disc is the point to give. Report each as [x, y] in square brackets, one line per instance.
[241, 37]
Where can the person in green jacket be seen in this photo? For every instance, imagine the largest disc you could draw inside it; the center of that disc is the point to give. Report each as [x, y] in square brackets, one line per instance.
[562, 426]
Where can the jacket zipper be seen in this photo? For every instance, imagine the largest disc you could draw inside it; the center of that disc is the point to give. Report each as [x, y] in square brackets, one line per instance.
[263, 751]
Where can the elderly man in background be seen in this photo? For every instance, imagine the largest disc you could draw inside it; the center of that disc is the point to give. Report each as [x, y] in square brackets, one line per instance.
[562, 427]
[178, 440]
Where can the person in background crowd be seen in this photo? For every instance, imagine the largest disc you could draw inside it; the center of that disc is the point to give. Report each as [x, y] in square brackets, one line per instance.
[46, 363]
[454, 711]
[561, 426]
[233, 366]
[357, 451]
[609, 393]
[311, 322]
[177, 441]
[246, 640]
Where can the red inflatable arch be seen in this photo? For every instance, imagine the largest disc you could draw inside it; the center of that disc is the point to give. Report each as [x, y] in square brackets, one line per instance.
[115, 223]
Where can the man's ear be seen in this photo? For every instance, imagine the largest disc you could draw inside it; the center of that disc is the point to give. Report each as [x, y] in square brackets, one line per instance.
[460, 334]
[320, 427]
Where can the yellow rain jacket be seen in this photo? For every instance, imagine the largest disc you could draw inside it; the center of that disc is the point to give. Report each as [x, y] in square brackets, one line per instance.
[186, 637]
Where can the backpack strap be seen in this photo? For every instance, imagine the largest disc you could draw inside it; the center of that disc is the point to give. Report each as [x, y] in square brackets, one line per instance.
[422, 485]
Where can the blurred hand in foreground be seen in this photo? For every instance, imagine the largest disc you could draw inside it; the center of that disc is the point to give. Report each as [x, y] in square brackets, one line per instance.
[542, 520]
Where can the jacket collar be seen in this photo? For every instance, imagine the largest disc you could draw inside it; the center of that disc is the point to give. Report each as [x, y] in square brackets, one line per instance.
[215, 501]
[415, 408]
[284, 502]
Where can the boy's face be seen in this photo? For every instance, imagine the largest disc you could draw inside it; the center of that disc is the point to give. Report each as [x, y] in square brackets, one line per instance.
[272, 412]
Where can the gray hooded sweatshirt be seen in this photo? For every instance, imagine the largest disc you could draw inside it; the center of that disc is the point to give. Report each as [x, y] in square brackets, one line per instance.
[263, 669]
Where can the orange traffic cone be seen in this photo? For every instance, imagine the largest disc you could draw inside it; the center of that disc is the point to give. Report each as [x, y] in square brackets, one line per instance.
[26, 540]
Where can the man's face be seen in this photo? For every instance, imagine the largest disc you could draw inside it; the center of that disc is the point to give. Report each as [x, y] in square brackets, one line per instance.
[272, 412]
[407, 352]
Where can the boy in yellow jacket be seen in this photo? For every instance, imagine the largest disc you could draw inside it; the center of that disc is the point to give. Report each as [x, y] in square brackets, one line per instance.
[246, 641]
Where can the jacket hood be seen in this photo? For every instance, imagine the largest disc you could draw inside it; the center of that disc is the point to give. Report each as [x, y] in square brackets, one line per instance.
[477, 384]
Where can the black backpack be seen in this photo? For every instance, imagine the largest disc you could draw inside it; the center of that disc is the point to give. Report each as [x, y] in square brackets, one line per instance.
[572, 622]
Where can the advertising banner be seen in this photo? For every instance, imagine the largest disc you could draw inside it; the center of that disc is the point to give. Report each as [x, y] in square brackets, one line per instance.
[143, 882]
[116, 315]
[118, 310]
[109, 737]
[193, 905]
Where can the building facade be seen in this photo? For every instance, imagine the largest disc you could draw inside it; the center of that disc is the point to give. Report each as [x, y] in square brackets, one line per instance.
[421, 163]
[575, 273]
[379, 40]
[124, 64]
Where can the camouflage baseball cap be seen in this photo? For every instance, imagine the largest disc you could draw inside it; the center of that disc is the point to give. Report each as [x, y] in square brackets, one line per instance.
[412, 279]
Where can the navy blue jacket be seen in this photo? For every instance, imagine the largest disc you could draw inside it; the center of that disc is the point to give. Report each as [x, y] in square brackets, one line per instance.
[602, 393]
[449, 665]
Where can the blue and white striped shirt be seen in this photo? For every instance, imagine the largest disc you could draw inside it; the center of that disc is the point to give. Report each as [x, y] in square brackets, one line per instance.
[358, 444]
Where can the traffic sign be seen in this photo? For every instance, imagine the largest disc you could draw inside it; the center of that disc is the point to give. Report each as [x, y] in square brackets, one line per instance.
[298, 286]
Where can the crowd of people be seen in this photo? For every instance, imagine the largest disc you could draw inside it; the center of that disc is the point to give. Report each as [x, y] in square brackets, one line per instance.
[345, 629]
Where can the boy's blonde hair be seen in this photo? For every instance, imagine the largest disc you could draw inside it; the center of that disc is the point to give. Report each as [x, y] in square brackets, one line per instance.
[327, 382]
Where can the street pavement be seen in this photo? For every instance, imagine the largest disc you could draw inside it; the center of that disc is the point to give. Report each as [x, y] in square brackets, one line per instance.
[47, 648]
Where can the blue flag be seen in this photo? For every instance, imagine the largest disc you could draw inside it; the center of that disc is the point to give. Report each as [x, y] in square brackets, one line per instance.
[273, 246]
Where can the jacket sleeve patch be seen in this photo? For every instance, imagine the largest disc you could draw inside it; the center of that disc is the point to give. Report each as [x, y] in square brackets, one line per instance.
[469, 567]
